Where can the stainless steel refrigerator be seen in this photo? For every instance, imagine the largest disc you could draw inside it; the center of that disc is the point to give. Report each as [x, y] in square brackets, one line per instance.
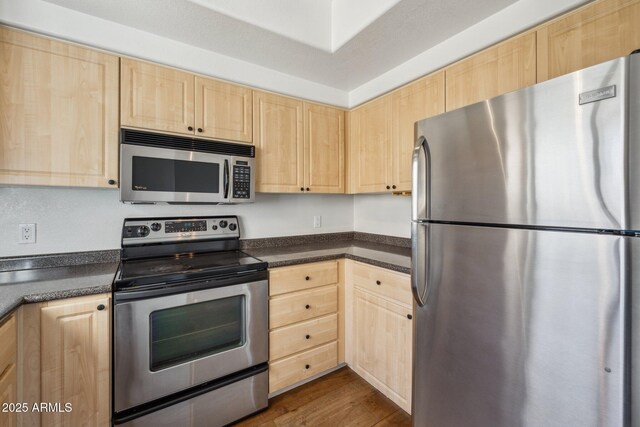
[526, 256]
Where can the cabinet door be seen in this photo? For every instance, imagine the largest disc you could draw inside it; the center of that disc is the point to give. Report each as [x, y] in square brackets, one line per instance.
[382, 345]
[59, 121]
[323, 149]
[223, 110]
[370, 146]
[8, 394]
[158, 98]
[593, 34]
[75, 348]
[503, 68]
[419, 100]
[279, 139]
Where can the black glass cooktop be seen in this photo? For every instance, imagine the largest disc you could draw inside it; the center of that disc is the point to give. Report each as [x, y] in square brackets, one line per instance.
[186, 266]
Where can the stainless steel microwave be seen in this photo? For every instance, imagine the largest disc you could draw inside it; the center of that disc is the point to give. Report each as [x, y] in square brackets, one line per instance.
[159, 168]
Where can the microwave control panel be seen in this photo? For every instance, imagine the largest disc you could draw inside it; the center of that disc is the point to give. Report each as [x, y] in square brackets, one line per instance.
[241, 181]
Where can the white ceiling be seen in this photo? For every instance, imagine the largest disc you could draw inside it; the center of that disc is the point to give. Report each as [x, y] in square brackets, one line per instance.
[339, 43]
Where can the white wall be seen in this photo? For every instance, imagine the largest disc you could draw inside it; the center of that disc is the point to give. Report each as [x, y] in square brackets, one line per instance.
[71, 219]
[382, 214]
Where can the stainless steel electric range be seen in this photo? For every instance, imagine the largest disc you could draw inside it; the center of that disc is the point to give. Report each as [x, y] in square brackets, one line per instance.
[190, 324]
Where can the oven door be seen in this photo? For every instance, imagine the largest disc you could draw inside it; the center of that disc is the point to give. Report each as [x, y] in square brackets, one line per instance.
[170, 343]
[151, 174]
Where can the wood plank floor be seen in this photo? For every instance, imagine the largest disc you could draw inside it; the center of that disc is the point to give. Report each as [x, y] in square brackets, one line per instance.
[341, 398]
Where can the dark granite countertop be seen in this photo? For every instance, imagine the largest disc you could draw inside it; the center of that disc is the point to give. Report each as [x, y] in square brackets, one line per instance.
[356, 246]
[51, 277]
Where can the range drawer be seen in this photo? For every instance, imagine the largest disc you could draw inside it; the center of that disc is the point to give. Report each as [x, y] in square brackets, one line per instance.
[302, 336]
[298, 306]
[301, 277]
[389, 284]
[301, 366]
[7, 344]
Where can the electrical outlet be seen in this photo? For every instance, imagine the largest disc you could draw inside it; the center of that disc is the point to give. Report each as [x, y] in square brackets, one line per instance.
[317, 221]
[27, 233]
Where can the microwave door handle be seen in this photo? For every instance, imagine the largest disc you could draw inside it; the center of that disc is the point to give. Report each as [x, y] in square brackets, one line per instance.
[226, 179]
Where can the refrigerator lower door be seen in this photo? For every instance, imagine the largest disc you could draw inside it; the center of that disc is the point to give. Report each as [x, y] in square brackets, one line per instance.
[521, 328]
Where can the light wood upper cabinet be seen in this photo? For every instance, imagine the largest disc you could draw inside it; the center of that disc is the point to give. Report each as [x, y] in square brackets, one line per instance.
[503, 68]
[598, 32]
[155, 97]
[59, 121]
[370, 144]
[323, 149]
[223, 110]
[416, 101]
[278, 134]
[170, 100]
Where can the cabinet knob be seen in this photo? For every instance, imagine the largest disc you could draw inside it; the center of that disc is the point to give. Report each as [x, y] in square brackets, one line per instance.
[111, 182]
[378, 282]
[200, 130]
[301, 188]
[308, 189]
[307, 366]
[388, 188]
[307, 278]
[393, 186]
[307, 336]
[101, 307]
[190, 128]
[307, 306]
[409, 316]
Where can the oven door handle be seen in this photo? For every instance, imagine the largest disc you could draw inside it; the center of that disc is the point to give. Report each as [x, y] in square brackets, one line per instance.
[226, 178]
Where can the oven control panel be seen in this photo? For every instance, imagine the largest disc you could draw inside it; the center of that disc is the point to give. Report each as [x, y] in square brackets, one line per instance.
[167, 230]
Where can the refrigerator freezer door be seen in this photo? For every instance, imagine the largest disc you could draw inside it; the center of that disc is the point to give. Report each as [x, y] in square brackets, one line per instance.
[521, 328]
[541, 156]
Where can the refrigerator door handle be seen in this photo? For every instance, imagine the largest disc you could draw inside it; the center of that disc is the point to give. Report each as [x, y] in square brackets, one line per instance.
[420, 180]
[419, 261]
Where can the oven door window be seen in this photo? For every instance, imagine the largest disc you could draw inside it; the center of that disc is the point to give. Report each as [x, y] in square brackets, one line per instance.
[189, 332]
[170, 175]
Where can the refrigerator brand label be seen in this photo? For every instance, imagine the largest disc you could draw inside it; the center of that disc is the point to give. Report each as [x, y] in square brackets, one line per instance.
[597, 94]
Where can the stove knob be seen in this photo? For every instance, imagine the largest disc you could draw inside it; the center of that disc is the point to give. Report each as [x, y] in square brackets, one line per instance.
[223, 224]
[214, 227]
[142, 231]
[232, 227]
[156, 226]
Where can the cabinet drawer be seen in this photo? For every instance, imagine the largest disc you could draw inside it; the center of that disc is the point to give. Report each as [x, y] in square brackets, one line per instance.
[383, 282]
[296, 368]
[303, 305]
[7, 343]
[302, 336]
[300, 277]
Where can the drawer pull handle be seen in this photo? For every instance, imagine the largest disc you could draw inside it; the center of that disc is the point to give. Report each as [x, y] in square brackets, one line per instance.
[307, 336]
[307, 366]
[101, 307]
[307, 278]
[307, 306]
[378, 282]
[409, 316]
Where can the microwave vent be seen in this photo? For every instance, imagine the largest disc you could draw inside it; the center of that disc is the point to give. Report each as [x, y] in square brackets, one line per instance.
[134, 137]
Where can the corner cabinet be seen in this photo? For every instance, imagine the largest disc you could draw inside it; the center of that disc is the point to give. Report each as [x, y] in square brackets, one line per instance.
[598, 32]
[380, 329]
[299, 145]
[382, 135]
[59, 121]
[170, 100]
[65, 353]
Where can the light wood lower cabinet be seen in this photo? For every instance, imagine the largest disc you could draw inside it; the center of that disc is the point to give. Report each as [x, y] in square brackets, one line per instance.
[65, 358]
[59, 113]
[306, 321]
[8, 372]
[379, 337]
